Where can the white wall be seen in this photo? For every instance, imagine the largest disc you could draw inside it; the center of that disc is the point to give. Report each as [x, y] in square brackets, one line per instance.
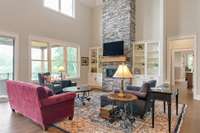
[97, 26]
[148, 20]
[150, 25]
[183, 18]
[29, 17]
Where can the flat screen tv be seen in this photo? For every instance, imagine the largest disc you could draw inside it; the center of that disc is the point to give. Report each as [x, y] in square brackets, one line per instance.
[113, 48]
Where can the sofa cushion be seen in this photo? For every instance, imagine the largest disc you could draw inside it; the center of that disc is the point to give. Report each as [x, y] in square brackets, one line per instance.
[66, 83]
[145, 87]
[133, 88]
[152, 83]
[139, 94]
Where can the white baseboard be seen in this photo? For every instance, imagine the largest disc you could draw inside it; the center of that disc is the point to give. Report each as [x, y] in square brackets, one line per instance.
[197, 97]
[3, 98]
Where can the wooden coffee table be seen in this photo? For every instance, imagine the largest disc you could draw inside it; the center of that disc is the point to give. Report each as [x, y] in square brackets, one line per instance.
[82, 91]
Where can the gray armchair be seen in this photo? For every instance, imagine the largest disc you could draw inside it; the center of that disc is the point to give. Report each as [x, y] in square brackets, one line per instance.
[140, 106]
[143, 104]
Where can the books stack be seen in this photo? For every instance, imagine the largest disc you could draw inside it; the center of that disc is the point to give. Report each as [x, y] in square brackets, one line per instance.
[106, 111]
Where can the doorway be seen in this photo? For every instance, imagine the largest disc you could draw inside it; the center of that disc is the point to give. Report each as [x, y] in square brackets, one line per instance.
[182, 63]
[183, 67]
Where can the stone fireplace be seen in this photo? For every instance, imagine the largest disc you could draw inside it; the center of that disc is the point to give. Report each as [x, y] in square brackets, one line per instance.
[118, 24]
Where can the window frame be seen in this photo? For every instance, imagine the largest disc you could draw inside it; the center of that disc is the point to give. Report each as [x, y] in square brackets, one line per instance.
[77, 61]
[51, 43]
[59, 10]
[65, 46]
[42, 60]
[15, 37]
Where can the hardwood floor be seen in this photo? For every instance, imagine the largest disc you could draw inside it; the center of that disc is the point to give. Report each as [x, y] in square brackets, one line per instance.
[16, 123]
[191, 122]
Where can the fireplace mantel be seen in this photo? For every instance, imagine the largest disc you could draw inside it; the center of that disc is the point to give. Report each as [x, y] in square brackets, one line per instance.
[107, 59]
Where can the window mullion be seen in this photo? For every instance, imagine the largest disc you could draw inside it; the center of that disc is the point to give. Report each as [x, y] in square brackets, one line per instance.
[42, 60]
[49, 58]
[65, 60]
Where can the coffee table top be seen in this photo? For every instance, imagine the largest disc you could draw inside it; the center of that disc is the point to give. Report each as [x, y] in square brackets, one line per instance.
[126, 98]
[76, 89]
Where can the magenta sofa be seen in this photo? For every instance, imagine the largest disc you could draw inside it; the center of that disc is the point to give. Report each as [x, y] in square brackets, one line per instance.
[39, 104]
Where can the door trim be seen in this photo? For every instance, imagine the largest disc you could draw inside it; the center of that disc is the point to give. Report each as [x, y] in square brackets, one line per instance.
[195, 73]
[15, 51]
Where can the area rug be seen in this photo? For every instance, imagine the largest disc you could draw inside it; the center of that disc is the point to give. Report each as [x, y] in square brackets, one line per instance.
[87, 120]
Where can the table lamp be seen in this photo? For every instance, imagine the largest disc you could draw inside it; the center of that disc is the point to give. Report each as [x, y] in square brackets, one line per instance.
[61, 69]
[122, 73]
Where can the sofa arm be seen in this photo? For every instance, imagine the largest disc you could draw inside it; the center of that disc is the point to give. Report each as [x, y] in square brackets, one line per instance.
[133, 88]
[140, 95]
[58, 99]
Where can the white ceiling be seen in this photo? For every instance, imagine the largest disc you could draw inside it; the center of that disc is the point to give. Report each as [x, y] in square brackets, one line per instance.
[92, 3]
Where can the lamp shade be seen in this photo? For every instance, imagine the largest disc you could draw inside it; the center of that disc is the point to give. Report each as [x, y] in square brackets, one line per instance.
[122, 72]
[61, 69]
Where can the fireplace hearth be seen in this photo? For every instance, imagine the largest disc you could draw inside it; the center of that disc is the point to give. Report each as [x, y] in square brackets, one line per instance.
[110, 72]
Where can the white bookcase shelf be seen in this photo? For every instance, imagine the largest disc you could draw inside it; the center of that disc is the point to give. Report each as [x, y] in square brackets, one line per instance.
[95, 67]
[146, 61]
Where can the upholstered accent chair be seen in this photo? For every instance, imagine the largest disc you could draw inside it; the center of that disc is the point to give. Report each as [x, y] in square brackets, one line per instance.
[41, 77]
[140, 106]
[143, 104]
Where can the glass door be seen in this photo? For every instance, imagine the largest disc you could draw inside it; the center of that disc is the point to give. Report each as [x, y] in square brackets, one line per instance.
[6, 62]
[139, 59]
[139, 63]
[153, 59]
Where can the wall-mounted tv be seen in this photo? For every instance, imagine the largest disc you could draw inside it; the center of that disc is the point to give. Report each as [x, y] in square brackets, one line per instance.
[113, 48]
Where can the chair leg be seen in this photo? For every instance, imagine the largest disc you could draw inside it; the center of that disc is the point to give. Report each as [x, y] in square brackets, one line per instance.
[71, 118]
[45, 128]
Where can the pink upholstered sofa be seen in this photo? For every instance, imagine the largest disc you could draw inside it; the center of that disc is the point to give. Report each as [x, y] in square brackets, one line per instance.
[39, 104]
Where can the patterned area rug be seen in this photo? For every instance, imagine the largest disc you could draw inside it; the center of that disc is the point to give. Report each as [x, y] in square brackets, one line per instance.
[87, 120]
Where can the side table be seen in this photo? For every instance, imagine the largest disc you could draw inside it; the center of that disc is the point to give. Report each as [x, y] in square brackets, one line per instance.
[125, 101]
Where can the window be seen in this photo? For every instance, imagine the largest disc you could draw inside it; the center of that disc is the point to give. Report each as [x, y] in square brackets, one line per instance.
[57, 59]
[66, 57]
[63, 6]
[58, 56]
[39, 57]
[72, 61]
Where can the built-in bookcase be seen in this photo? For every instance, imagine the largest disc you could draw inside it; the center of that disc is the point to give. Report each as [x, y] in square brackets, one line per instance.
[146, 61]
[95, 67]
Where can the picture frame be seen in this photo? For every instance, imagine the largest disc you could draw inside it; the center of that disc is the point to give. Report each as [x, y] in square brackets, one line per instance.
[84, 61]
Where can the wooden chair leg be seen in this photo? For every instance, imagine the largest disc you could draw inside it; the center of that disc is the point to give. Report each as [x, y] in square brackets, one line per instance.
[45, 128]
[71, 118]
